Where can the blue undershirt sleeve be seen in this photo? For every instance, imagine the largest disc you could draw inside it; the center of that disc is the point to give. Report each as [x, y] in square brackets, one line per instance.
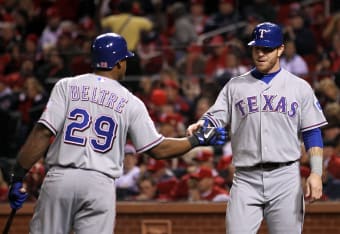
[312, 138]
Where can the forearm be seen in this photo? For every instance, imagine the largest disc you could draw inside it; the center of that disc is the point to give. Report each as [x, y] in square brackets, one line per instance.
[171, 148]
[35, 146]
[314, 146]
[316, 159]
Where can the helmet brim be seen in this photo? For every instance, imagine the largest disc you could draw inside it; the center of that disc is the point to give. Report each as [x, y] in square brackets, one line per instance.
[264, 43]
[129, 54]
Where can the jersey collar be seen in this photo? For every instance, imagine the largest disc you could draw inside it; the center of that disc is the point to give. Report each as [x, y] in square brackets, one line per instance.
[264, 77]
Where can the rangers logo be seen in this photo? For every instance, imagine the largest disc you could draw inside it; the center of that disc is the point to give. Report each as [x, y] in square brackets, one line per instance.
[262, 31]
[318, 105]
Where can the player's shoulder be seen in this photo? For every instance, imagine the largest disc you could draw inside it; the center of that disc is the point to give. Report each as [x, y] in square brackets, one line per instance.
[245, 77]
[294, 79]
[68, 79]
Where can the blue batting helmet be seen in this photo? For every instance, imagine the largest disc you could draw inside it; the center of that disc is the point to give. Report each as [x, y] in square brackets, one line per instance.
[108, 49]
[267, 35]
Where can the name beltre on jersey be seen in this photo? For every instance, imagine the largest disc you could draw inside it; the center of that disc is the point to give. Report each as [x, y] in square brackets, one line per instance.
[99, 96]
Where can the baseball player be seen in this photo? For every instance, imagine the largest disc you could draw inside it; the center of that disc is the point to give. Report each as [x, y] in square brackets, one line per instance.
[91, 116]
[266, 109]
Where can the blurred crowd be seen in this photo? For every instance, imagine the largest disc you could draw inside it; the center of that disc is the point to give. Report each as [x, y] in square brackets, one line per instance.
[185, 52]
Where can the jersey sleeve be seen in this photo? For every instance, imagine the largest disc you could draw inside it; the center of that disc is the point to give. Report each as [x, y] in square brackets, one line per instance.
[142, 130]
[54, 114]
[219, 113]
[311, 111]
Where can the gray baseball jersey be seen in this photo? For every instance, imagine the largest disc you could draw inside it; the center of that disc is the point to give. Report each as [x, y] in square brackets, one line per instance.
[265, 119]
[100, 113]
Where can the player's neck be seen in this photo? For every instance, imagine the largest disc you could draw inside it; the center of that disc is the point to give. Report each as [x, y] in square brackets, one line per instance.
[107, 74]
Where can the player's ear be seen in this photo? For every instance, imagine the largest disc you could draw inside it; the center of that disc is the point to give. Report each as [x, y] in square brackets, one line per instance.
[280, 50]
[118, 65]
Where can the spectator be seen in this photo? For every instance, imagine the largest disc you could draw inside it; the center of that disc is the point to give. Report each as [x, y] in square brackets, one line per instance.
[225, 16]
[8, 36]
[6, 97]
[327, 91]
[34, 179]
[297, 30]
[87, 28]
[323, 66]
[226, 170]
[130, 27]
[126, 24]
[263, 8]
[67, 47]
[197, 15]
[127, 184]
[332, 186]
[30, 49]
[51, 30]
[203, 187]
[14, 58]
[332, 113]
[233, 68]
[192, 63]
[319, 22]
[3, 187]
[170, 81]
[332, 27]
[81, 62]
[202, 104]
[148, 190]
[184, 31]
[27, 68]
[154, 53]
[216, 57]
[335, 52]
[52, 67]
[171, 125]
[6, 105]
[292, 61]
[205, 158]
[31, 103]
[164, 177]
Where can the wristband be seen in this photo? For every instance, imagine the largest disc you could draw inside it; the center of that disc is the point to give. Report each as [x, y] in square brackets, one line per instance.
[18, 173]
[193, 141]
[316, 164]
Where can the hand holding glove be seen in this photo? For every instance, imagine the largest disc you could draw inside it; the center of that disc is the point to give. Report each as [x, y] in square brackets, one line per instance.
[206, 135]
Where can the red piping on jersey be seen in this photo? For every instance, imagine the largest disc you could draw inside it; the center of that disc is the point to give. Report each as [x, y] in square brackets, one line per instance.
[315, 125]
[150, 145]
[48, 125]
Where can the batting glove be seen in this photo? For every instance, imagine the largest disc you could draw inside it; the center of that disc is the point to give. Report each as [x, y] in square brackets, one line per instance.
[206, 135]
[15, 196]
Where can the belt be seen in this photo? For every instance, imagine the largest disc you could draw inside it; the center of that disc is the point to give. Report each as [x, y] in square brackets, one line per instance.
[267, 166]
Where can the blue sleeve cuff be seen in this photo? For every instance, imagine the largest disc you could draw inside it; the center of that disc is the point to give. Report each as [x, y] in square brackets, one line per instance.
[312, 138]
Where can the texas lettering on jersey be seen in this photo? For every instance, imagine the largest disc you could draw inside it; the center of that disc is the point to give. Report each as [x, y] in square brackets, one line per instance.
[100, 96]
[271, 103]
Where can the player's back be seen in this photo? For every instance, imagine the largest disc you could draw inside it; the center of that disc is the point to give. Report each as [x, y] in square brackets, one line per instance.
[90, 117]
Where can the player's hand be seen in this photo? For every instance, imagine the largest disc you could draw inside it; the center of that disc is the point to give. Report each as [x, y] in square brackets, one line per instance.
[194, 127]
[313, 189]
[206, 135]
[17, 195]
